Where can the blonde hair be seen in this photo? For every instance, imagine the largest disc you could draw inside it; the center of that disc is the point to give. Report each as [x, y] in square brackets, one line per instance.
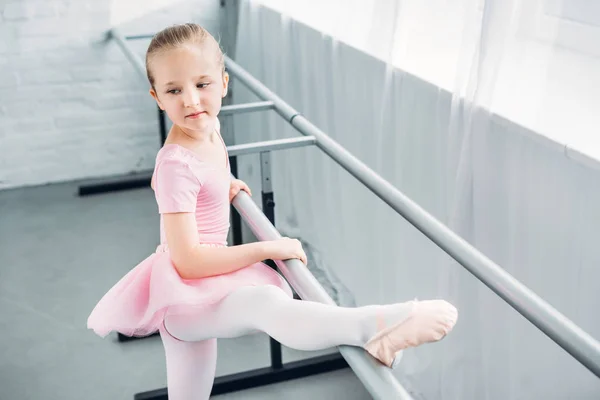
[179, 35]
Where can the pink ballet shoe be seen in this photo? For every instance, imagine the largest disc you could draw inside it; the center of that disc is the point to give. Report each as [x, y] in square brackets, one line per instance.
[429, 321]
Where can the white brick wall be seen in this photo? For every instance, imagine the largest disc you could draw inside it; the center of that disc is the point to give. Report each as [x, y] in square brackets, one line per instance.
[71, 104]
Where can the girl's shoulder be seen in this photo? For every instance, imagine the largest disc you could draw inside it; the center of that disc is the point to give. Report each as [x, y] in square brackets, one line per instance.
[172, 152]
[175, 153]
[174, 161]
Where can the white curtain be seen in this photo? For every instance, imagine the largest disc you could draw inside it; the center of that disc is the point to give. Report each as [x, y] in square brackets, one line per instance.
[480, 111]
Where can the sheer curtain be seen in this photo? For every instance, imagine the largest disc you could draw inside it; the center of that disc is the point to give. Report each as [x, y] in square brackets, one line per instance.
[484, 113]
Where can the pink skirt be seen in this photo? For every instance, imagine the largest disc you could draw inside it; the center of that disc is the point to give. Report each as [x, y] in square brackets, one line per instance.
[137, 304]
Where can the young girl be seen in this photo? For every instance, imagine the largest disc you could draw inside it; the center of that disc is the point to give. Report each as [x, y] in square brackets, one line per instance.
[195, 288]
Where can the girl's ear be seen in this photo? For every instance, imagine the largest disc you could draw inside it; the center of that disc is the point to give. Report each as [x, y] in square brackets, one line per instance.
[155, 96]
[225, 83]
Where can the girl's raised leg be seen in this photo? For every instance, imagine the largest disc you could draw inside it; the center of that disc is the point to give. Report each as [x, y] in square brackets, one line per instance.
[383, 330]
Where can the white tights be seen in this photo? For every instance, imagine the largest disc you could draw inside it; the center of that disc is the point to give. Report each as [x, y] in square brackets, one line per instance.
[190, 339]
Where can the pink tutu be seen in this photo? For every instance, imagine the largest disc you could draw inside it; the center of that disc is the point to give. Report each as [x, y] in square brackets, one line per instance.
[137, 304]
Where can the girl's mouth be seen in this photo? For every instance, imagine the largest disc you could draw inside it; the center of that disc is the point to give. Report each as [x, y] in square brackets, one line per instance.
[195, 115]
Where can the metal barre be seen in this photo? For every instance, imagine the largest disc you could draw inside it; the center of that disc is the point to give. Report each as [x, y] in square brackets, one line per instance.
[278, 144]
[247, 107]
[555, 325]
[137, 62]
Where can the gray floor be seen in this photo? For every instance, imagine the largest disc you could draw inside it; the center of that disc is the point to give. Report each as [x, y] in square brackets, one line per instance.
[59, 253]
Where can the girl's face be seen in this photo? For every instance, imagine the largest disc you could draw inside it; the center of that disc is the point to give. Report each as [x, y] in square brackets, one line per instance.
[189, 85]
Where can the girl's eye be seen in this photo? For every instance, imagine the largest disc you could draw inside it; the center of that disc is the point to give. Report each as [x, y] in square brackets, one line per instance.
[199, 86]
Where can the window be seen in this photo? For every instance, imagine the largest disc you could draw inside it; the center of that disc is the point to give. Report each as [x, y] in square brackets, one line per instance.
[533, 62]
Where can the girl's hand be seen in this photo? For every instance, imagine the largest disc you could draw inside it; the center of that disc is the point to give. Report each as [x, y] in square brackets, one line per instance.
[235, 186]
[286, 249]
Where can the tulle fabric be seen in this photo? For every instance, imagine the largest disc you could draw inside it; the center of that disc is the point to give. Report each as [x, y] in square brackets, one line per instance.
[137, 304]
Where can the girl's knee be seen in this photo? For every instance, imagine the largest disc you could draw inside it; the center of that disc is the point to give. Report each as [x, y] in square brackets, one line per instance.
[174, 344]
[166, 335]
[179, 327]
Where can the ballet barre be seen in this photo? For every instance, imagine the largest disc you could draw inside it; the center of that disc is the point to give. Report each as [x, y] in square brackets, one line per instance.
[243, 108]
[564, 332]
[270, 145]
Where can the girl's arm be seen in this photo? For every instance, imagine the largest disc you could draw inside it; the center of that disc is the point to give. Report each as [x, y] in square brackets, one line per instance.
[193, 261]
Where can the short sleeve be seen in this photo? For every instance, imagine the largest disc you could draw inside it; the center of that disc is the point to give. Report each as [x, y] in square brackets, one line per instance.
[177, 187]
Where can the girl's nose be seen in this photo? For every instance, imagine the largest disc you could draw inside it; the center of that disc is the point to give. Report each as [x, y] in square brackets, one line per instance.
[191, 98]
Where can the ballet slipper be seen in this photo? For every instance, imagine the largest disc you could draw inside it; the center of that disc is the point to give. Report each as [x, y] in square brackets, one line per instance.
[428, 321]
